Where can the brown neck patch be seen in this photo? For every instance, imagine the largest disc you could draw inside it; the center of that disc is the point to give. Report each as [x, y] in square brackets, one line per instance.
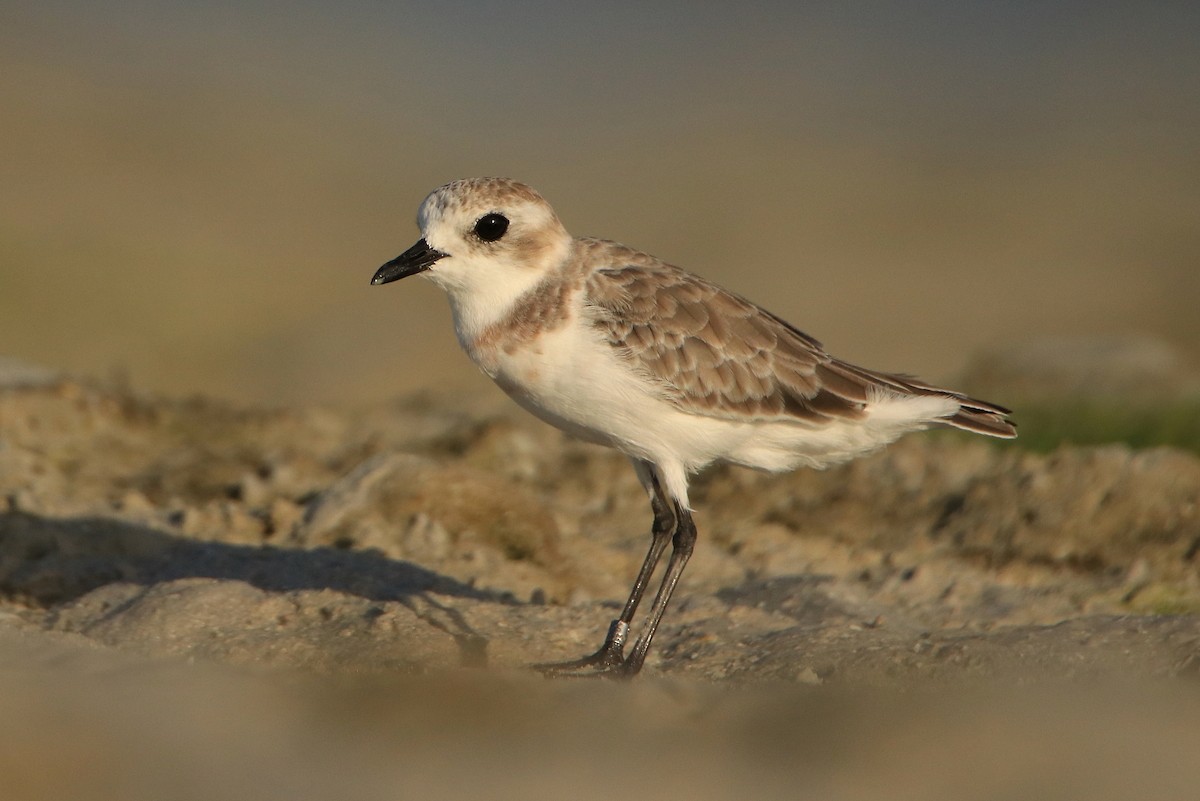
[542, 309]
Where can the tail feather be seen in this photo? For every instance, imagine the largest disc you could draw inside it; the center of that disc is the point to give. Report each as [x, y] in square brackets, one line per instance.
[983, 418]
[979, 416]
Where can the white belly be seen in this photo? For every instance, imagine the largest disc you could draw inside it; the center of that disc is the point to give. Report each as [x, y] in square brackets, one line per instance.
[575, 381]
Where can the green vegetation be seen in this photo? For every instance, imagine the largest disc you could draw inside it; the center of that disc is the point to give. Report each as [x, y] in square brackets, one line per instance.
[1044, 426]
[1165, 599]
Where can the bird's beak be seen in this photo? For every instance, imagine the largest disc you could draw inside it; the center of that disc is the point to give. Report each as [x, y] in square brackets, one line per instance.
[417, 259]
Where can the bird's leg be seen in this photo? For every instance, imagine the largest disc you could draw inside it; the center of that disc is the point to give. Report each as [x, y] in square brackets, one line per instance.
[684, 541]
[660, 533]
[607, 662]
[610, 657]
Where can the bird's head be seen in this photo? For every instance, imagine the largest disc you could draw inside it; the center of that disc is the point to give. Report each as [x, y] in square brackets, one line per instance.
[482, 235]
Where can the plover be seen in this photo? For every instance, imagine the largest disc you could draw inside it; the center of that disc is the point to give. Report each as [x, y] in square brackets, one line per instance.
[619, 348]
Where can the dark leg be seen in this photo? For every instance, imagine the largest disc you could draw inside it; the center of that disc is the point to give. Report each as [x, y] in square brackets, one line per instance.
[610, 657]
[660, 532]
[684, 541]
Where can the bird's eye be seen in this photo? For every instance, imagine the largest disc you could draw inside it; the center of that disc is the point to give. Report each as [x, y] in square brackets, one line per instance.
[491, 227]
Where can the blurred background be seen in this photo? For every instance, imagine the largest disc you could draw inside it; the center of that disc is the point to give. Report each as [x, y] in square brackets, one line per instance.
[195, 195]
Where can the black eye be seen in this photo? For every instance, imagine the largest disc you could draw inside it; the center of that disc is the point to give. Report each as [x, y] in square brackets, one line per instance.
[491, 227]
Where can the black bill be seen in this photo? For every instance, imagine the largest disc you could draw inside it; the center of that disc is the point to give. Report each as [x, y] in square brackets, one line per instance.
[417, 259]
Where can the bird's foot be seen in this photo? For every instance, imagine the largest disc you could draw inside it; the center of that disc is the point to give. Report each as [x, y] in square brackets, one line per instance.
[609, 662]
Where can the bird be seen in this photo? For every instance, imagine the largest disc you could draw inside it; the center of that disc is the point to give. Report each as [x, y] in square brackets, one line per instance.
[619, 348]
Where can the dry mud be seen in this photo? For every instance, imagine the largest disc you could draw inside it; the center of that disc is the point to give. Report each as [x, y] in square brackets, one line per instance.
[313, 602]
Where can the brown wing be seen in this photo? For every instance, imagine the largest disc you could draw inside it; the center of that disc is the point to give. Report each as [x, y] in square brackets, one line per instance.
[717, 354]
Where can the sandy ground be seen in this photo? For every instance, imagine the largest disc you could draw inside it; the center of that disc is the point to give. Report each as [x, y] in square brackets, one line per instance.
[201, 600]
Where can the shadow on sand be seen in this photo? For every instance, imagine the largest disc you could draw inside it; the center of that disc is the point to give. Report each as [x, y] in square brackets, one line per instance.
[50, 561]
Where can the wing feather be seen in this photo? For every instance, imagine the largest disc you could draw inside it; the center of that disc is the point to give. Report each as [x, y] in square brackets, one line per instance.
[714, 353]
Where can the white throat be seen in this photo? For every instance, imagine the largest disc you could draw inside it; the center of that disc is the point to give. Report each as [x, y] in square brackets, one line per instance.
[484, 295]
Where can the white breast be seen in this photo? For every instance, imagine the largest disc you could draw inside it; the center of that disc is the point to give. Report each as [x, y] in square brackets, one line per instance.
[575, 380]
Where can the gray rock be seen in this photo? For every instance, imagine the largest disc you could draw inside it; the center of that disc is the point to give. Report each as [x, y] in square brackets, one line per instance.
[15, 374]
